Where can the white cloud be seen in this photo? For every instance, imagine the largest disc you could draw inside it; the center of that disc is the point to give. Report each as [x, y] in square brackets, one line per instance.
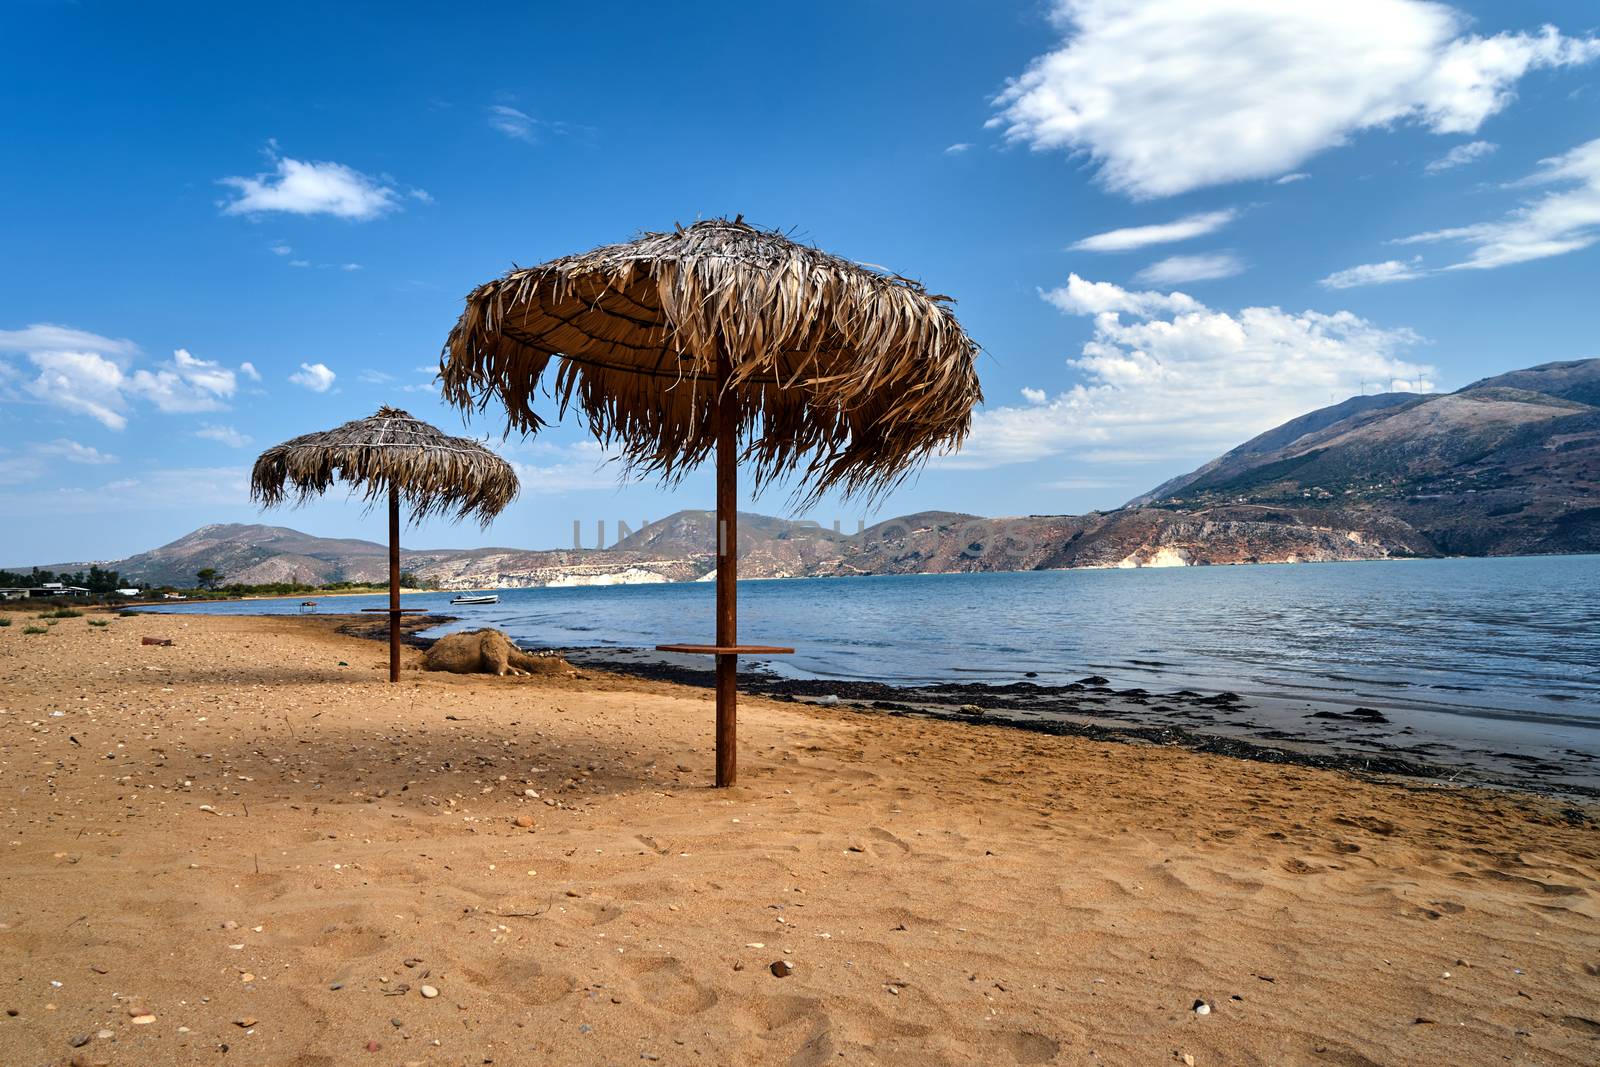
[350, 266]
[86, 374]
[299, 263]
[226, 435]
[957, 149]
[83, 383]
[1174, 270]
[1034, 396]
[185, 384]
[1565, 220]
[281, 249]
[1132, 237]
[249, 371]
[1178, 381]
[1172, 95]
[1461, 155]
[314, 376]
[1082, 297]
[1390, 270]
[298, 187]
[374, 377]
[1289, 179]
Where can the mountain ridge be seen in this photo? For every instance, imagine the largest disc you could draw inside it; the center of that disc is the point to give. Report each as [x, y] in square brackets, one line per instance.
[1509, 464]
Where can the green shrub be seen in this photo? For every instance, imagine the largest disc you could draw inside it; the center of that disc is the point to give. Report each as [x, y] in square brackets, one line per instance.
[34, 630]
[5, 620]
[61, 613]
[128, 613]
[99, 622]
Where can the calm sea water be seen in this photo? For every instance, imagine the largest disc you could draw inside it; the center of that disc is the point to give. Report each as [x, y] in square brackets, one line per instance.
[1510, 633]
[1510, 641]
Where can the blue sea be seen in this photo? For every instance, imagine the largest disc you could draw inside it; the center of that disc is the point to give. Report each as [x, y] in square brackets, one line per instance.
[1491, 654]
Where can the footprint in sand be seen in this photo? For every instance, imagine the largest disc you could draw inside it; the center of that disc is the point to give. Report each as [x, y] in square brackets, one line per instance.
[664, 983]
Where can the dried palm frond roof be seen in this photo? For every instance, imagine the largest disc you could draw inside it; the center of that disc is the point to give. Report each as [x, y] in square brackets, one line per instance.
[843, 375]
[434, 472]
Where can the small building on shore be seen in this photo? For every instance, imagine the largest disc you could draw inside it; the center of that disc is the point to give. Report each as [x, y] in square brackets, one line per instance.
[43, 590]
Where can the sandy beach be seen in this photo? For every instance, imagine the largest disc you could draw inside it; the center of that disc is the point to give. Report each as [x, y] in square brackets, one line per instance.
[246, 848]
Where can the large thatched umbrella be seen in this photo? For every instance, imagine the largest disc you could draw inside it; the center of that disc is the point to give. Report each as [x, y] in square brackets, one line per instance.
[432, 472]
[678, 344]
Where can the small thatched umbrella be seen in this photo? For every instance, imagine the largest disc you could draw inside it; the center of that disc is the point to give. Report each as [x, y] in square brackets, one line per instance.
[432, 472]
[678, 344]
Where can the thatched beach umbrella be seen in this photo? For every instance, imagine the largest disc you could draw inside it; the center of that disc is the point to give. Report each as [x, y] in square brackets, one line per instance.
[390, 452]
[721, 337]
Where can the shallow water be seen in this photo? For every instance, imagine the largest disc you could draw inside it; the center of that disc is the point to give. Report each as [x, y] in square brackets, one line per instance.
[1500, 652]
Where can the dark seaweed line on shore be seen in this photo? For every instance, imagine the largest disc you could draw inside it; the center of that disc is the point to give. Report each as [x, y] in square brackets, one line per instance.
[945, 701]
[882, 698]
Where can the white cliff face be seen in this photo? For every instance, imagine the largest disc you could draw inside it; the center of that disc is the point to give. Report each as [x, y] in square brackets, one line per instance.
[630, 576]
[1165, 556]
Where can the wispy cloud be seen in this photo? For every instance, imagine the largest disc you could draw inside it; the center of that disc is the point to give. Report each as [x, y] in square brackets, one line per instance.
[1131, 237]
[957, 149]
[1461, 155]
[1136, 86]
[1390, 270]
[585, 465]
[37, 461]
[1290, 179]
[225, 435]
[519, 125]
[1175, 270]
[1563, 220]
[149, 490]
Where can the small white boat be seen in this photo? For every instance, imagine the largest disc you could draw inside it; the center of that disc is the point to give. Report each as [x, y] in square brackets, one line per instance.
[476, 598]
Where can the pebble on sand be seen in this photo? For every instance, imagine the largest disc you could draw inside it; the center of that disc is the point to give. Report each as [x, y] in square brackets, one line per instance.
[429, 992]
[782, 968]
[1202, 1008]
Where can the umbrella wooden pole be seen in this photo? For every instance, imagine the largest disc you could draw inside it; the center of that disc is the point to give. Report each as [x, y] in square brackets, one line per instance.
[394, 583]
[727, 418]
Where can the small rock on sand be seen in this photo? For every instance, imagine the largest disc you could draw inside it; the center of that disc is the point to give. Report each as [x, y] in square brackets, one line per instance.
[429, 992]
[782, 968]
[524, 821]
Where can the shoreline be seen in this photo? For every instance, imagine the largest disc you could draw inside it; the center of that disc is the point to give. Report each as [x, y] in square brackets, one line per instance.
[1324, 734]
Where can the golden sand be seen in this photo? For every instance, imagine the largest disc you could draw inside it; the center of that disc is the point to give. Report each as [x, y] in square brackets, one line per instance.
[240, 842]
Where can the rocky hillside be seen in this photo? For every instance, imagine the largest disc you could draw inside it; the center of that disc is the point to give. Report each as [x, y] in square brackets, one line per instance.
[1510, 464]
[257, 554]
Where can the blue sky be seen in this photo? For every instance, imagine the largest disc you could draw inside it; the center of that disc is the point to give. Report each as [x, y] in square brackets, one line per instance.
[1170, 225]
